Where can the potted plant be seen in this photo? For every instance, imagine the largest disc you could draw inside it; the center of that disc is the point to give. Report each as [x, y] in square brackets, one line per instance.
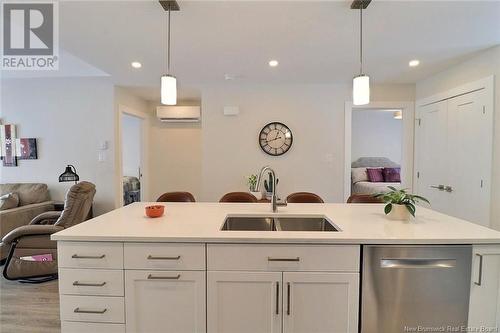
[399, 203]
[252, 185]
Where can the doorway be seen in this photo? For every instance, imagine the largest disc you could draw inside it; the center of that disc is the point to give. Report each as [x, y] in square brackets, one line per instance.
[132, 156]
[378, 135]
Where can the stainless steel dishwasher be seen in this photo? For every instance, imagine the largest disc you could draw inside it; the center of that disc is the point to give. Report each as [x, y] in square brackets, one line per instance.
[405, 288]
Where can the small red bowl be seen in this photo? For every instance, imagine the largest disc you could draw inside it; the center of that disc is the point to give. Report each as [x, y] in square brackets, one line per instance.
[155, 211]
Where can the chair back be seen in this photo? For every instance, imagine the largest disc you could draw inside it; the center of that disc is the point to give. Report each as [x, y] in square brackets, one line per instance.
[176, 197]
[77, 204]
[364, 198]
[304, 197]
[238, 197]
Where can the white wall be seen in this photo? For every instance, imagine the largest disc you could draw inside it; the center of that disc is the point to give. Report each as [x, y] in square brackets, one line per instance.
[131, 145]
[376, 133]
[70, 117]
[315, 114]
[482, 65]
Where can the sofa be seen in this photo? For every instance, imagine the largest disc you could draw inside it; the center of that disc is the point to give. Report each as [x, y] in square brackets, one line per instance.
[34, 199]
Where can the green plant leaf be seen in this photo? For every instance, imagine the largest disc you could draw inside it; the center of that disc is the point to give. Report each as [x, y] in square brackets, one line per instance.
[387, 208]
[411, 209]
[418, 197]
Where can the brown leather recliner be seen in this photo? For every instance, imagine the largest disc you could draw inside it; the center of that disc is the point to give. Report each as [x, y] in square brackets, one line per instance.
[34, 239]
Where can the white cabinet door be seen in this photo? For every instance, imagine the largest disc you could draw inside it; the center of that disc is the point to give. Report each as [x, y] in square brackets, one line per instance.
[485, 282]
[244, 302]
[167, 302]
[320, 302]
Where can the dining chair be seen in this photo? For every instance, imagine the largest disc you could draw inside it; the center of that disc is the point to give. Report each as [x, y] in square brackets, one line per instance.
[176, 197]
[304, 197]
[238, 197]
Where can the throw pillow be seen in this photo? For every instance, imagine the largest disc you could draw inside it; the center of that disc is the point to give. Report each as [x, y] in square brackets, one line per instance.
[359, 175]
[9, 201]
[375, 175]
[392, 175]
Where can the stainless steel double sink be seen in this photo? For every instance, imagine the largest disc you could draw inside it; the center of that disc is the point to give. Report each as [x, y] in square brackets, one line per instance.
[278, 223]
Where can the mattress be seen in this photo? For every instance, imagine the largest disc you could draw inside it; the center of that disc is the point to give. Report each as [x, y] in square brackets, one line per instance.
[371, 188]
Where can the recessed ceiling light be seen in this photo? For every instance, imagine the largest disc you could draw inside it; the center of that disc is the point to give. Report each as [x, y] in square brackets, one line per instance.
[273, 63]
[414, 63]
[136, 64]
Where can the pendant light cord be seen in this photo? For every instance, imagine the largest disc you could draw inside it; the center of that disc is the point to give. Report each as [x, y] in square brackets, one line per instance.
[361, 39]
[168, 41]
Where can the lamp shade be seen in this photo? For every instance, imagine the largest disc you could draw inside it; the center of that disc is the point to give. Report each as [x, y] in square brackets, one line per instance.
[168, 90]
[361, 90]
[69, 175]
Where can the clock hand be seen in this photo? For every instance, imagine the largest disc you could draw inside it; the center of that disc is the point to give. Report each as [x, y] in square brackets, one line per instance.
[274, 139]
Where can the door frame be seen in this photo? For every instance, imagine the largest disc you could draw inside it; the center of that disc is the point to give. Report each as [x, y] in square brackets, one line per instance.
[408, 110]
[144, 117]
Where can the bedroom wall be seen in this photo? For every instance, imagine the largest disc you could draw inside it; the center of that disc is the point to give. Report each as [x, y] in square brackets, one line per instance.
[485, 64]
[376, 133]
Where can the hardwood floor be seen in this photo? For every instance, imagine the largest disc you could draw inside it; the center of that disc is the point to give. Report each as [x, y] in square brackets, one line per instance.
[29, 308]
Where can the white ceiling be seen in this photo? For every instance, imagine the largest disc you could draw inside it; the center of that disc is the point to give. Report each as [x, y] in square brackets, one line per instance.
[314, 41]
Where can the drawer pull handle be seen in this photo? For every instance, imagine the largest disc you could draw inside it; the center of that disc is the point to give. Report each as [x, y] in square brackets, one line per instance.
[288, 298]
[78, 310]
[153, 277]
[77, 256]
[150, 257]
[296, 259]
[88, 284]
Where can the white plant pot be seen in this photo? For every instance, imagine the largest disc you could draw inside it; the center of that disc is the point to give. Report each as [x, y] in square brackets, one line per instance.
[258, 195]
[399, 213]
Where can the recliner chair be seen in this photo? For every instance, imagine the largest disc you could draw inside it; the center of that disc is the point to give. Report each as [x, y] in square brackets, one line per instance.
[34, 239]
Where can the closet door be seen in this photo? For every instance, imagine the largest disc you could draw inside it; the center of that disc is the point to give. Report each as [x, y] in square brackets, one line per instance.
[470, 133]
[431, 154]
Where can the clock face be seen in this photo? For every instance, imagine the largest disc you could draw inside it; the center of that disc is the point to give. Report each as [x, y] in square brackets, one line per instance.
[275, 139]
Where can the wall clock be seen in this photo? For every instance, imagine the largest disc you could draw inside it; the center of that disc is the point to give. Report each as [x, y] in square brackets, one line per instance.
[275, 139]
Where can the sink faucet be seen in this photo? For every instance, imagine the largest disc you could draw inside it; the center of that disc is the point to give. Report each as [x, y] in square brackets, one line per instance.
[274, 200]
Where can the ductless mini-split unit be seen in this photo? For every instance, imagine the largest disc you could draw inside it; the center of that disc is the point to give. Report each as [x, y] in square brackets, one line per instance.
[179, 114]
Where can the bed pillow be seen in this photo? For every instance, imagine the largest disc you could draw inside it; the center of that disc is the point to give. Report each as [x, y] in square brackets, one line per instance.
[9, 201]
[392, 175]
[375, 175]
[359, 175]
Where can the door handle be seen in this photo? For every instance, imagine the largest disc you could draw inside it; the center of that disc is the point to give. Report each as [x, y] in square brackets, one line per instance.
[87, 284]
[277, 297]
[417, 263]
[288, 298]
[448, 189]
[438, 187]
[479, 281]
[153, 277]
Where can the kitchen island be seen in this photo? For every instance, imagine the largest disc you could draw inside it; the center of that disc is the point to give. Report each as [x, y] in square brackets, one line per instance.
[124, 272]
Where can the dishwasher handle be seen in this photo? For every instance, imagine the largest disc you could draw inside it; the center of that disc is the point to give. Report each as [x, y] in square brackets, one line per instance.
[418, 263]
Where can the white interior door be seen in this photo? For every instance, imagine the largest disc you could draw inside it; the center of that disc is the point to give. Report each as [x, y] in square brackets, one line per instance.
[174, 301]
[431, 154]
[320, 302]
[244, 302]
[470, 141]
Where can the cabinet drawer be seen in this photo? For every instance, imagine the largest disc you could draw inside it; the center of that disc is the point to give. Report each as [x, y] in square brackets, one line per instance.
[98, 282]
[90, 255]
[344, 258]
[164, 256]
[96, 309]
[78, 327]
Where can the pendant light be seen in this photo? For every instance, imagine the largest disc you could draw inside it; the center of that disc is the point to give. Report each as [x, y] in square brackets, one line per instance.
[361, 83]
[168, 82]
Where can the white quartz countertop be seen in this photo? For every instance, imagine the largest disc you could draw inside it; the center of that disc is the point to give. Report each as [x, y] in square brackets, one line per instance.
[201, 222]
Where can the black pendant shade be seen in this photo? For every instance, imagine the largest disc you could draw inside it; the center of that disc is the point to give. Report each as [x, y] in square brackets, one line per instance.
[69, 175]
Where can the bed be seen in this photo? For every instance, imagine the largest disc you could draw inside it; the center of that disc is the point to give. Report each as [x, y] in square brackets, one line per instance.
[360, 183]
